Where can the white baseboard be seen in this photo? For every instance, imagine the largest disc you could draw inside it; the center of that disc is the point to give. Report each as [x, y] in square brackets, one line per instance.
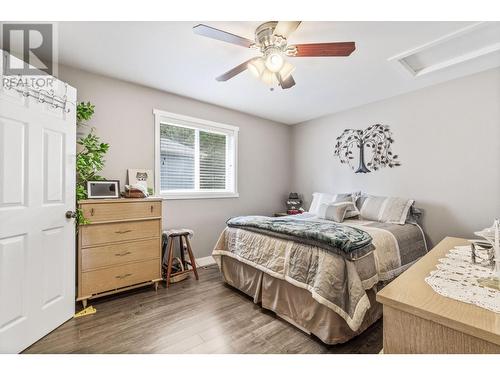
[205, 261]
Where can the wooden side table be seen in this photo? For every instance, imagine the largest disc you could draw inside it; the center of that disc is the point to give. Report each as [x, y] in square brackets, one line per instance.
[419, 320]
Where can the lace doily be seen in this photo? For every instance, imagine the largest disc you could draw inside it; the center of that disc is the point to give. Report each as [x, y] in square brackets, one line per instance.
[457, 277]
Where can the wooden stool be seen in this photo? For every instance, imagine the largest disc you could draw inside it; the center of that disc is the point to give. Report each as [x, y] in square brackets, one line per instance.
[184, 245]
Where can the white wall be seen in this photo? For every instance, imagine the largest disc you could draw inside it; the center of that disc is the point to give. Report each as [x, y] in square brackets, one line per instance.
[124, 118]
[448, 140]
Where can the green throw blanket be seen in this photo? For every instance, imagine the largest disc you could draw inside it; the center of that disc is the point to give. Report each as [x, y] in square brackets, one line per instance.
[341, 239]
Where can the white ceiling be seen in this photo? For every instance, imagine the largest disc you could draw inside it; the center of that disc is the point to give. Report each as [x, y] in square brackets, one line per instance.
[170, 57]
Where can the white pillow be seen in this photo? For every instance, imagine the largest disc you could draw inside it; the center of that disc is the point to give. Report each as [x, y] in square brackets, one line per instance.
[396, 210]
[334, 211]
[318, 199]
[352, 210]
[386, 209]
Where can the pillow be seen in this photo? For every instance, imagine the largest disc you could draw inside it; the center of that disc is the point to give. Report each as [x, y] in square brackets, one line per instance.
[386, 209]
[352, 210]
[371, 207]
[361, 199]
[334, 211]
[318, 199]
[396, 210]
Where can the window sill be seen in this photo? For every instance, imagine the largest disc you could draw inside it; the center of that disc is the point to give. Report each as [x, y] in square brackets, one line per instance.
[198, 195]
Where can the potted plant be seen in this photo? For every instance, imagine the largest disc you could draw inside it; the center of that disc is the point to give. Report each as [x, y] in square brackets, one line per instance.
[89, 158]
[84, 112]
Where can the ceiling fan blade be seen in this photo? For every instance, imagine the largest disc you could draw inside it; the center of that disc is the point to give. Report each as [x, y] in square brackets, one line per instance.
[287, 82]
[323, 49]
[235, 71]
[214, 33]
[285, 28]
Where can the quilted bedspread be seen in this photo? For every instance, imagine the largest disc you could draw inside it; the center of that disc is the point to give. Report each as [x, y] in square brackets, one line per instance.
[333, 278]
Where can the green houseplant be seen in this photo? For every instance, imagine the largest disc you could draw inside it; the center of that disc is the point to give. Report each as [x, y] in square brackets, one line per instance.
[90, 158]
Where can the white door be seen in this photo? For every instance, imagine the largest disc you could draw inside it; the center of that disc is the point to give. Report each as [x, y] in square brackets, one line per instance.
[37, 241]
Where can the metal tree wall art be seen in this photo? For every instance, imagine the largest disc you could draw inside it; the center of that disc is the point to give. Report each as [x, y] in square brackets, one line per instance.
[376, 137]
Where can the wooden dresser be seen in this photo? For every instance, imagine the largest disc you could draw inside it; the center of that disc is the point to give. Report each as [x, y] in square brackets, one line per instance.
[120, 248]
[419, 320]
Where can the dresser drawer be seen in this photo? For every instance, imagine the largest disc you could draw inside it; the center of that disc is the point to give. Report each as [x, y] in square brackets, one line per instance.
[120, 276]
[115, 254]
[97, 212]
[97, 234]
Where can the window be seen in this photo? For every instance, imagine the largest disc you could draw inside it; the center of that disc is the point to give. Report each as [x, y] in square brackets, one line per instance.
[194, 158]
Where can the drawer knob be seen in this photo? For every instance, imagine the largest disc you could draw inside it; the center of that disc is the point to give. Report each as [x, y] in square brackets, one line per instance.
[152, 208]
[92, 211]
[123, 276]
[123, 231]
[123, 254]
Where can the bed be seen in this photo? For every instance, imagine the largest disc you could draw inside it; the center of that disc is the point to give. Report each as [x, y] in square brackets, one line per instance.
[319, 289]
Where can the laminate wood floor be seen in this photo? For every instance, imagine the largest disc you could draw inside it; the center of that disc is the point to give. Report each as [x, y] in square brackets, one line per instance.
[204, 316]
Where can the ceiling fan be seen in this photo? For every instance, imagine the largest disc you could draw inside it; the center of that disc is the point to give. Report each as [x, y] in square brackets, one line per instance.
[271, 38]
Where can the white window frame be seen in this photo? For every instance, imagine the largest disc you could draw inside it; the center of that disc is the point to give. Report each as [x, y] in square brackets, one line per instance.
[163, 117]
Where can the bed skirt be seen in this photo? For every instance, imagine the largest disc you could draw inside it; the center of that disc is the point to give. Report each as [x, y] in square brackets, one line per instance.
[294, 304]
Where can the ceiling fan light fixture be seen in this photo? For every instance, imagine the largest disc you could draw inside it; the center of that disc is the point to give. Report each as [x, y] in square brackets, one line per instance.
[274, 61]
[271, 40]
[269, 78]
[286, 70]
[257, 67]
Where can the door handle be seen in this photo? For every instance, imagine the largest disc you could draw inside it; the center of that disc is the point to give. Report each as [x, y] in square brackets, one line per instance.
[70, 214]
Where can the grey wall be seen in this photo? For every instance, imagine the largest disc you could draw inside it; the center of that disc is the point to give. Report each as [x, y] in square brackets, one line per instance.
[124, 118]
[447, 136]
[448, 139]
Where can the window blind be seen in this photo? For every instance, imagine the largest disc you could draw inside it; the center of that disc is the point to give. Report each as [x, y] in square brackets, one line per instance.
[212, 161]
[195, 159]
[177, 148]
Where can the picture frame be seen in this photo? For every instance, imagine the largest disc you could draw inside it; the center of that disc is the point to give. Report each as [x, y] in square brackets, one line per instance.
[144, 177]
[104, 189]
